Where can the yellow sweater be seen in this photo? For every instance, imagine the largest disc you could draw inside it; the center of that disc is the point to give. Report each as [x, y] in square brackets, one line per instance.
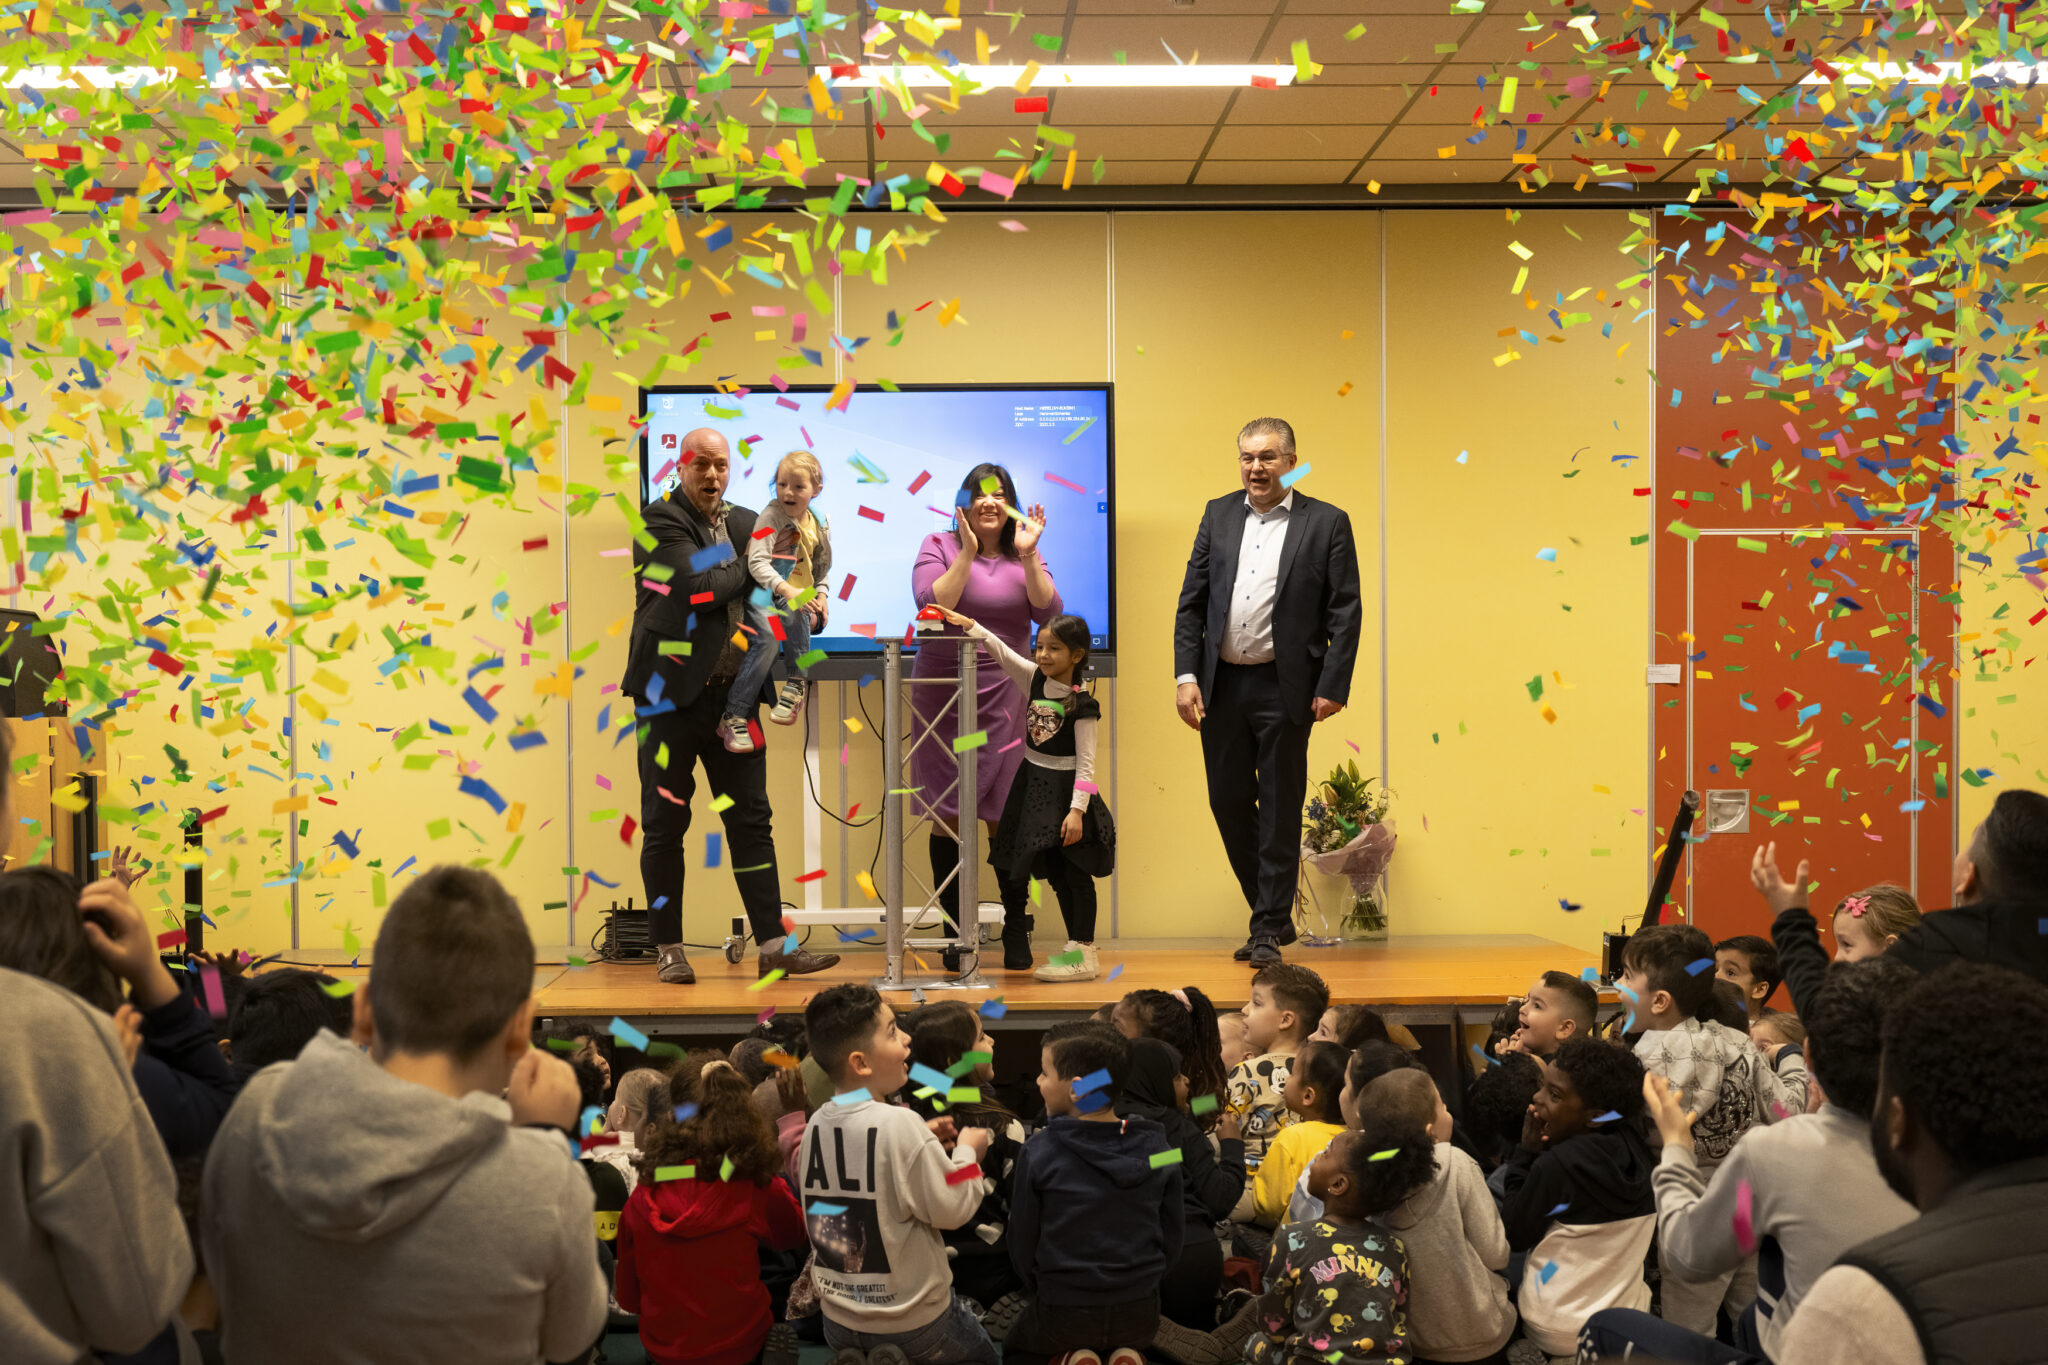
[1286, 1157]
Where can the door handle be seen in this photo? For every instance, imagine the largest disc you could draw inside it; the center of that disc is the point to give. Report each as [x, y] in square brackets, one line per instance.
[1727, 811]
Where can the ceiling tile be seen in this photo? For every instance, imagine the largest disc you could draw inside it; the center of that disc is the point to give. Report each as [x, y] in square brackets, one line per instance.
[1091, 106]
[1216, 172]
[1319, 103]
[1279, 142]
[1217, 38]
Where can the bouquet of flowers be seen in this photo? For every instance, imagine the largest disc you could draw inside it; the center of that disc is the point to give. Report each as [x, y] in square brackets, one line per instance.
[1345, 832]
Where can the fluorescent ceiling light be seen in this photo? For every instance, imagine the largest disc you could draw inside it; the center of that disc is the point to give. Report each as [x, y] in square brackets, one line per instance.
[1057, 77]
[1931, 73]
[109, 77]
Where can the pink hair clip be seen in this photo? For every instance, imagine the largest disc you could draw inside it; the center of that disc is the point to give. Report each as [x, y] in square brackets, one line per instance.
[1856, 905]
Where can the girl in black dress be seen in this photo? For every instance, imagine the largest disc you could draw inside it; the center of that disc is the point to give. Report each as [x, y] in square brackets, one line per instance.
[1055, 825]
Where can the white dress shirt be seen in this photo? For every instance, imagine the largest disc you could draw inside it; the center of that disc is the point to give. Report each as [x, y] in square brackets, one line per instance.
[1248, 626]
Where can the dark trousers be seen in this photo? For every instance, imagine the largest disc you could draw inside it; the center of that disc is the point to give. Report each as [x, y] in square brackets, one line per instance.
[1611, 1333]
[1192, 1285]
[1049, 1330]
[945, 852]
[691, 736]
[1257, 761]
[1075, 890]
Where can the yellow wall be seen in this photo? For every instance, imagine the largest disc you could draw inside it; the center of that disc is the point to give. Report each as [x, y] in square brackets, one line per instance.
[1203, 320]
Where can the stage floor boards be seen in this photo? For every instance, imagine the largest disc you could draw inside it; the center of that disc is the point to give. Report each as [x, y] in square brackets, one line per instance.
[1415, 977]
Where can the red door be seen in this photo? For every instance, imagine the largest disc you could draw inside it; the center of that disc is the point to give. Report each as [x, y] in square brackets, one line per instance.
[1803, 724]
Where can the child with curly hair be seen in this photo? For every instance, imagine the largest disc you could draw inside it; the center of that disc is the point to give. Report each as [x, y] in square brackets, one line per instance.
[1337, 1286]
[708, 1193]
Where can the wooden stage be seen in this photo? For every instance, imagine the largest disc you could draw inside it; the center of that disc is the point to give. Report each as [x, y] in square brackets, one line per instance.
[1414, 979]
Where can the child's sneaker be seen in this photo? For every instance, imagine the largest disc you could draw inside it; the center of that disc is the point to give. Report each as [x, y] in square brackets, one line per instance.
[1084, 1356]
[1127, 1355]
[790, 703]
[1063, 966]
[734, 733]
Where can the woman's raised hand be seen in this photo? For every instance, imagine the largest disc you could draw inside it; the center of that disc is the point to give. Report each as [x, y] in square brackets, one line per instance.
[1030, 529]
[963, 526]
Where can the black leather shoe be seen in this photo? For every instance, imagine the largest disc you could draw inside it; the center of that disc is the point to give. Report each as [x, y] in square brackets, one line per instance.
[795, 962]
[1283, 938]
[1264, 953]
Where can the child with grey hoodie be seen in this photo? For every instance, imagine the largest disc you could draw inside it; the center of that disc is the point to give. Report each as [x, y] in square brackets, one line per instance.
[1458, 1306]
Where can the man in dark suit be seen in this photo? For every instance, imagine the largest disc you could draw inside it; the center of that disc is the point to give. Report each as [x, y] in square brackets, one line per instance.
[691, 594]
[1263, 645]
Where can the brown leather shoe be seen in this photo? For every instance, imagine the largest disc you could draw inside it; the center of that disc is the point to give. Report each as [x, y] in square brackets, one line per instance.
[798, 962]
[674, 969]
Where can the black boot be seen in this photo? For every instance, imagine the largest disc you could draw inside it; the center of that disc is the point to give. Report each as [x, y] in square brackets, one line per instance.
[1017, 924]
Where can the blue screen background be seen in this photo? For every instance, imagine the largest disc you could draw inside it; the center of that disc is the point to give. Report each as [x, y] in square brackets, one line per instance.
[940, 433]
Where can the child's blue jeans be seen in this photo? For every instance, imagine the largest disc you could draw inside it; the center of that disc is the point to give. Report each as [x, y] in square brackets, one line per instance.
[760, 655]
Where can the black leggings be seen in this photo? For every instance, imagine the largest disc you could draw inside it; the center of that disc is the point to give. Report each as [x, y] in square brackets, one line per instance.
[1188, 1293]
[1076, 892]
[945, 852]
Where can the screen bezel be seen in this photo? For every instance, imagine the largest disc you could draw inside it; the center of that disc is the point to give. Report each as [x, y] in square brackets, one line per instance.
[1101, 662]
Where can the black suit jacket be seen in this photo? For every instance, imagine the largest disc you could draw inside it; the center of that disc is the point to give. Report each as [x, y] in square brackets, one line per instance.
[1316, 615]
[679, 532]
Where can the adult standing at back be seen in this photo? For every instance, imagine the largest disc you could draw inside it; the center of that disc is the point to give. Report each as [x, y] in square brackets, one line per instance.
[1263, 646]
[680, 668]
[987, 567]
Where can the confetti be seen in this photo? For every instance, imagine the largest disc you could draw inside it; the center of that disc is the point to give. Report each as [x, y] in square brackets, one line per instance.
[1698, 965]
[1202, 1104]
[675, 1173]
[1611, 1116]
[626, 1035]
[1169, 1157]
[1745, 1218]
[818, 1208]
[961, 1175]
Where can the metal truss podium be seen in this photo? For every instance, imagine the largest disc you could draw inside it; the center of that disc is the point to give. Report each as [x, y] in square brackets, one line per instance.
[966, 876]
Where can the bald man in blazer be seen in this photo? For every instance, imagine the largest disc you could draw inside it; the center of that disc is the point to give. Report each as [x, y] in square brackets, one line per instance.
[1263, 645]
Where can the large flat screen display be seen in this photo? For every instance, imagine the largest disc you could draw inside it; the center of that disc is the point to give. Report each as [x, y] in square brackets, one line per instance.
[894, 462]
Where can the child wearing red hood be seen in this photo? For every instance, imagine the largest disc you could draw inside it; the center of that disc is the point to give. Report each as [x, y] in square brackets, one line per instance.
[709, 1191]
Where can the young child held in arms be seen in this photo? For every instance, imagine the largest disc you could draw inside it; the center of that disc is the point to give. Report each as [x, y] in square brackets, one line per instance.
[1667, 972]
[687, 1259]
[1286, 1005]
[386, 1203]
[1751, 963]
[1578, 1194]
[1095, 1216]
[1055, 824]
[1336, 1288]
[788, 564]
[1558, 1008]
[1315, 1083]
[1458, 1306]
[878, 1188]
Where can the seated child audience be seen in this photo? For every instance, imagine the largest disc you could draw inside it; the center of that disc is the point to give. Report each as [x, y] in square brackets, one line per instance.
[1361, 1069]
[386, 1203]
[1458, 1306]
[1779, 1028]
[1798, 1193]
[276, 1013]
[1336, 1289]
[1211, 1179]
[1095, 1221]
[1350, 1027]
[1496, 1103]
[1287, 1002]
[1869, 922]
[1667, 973]
[93, 942]
[941, 1035]
[1960, 1128]
[1315, 1082]
[1231, 1046]
[1751, 963]
[1558, 1008]
[709, 1192]
[93, 1255]
[1578, 1194]
[1185, 1021]
[642, 1095]
[879, 1189]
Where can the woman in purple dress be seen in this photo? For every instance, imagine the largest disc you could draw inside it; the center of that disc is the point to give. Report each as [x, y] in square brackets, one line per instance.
[987, 568]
